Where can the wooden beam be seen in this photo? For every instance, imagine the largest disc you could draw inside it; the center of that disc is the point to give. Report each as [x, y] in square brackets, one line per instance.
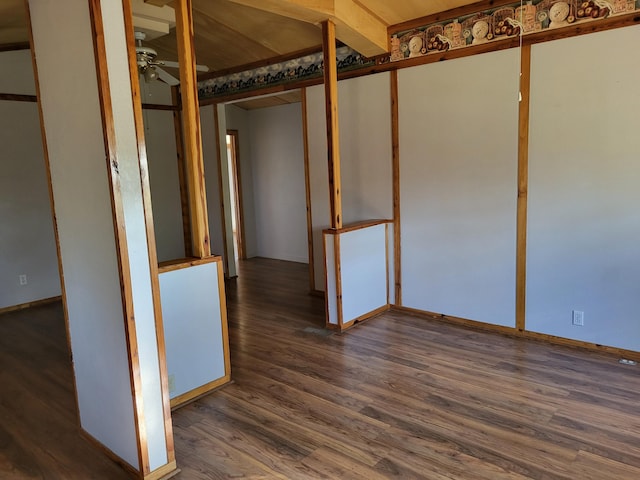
[158, 3]
[191, 128]
[333, 132]
[356, 26]
[9, 47]
[307, 189]
[182, 172]
[360, 29]
[12, 97]
[523, 185]
[395, 149]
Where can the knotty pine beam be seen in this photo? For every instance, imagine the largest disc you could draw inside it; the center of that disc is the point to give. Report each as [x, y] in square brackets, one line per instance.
[192, 134]
[523, 186]
[333, 135]
[355, 26]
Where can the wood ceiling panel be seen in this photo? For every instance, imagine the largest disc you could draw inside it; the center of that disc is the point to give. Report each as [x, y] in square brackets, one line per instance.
[228, 35]
[275, 32]
[393, 12]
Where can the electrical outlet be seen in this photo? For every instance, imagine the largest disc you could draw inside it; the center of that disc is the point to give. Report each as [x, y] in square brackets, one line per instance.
[23, 279]
[577, 318]
[172, 383]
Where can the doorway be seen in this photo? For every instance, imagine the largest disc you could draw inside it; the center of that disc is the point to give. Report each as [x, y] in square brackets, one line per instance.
[235, 194]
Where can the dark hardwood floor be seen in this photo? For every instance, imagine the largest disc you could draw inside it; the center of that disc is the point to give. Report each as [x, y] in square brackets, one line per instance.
[38, 421]
[396, 397]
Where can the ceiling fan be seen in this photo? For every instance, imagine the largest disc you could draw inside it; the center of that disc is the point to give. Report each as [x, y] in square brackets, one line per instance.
[149, 66]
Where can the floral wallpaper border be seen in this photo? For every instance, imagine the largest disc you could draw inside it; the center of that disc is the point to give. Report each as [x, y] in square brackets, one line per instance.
[481, 27]
[309, 66]
[502, 22]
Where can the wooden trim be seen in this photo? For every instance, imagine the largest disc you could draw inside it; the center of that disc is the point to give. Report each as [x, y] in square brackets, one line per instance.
[223, 216]
[366, 316]
[11, 47]
[327, 323]
[181, 263]
[35, 303]
[447, 15]
[164, 473]
[130, 469]
[236, 165]
[191, 132]
[333, 130]
[317, 293]
[386, 261]
[154, 106]
[307, 190]
[196, 393]
[182, 173]
[457, 320]
[224, 322]
[122, 253]
[395, 153]
[523, 182]
[13, 97]
[151, 240]
[514, 332]
[52, 206]
[338, 269]
[356, 226]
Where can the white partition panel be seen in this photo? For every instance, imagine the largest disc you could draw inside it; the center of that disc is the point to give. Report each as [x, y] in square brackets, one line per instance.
[458, 182]
[71, 113]
[391, 274]
[193, 327]
[358, 264]
[331, 280]
[584, 171]
[363, 270]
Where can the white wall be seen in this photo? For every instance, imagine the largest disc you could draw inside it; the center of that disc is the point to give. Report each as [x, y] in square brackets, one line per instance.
[165, 185]
[27, 242]
[458, 186]
[277, 159]
[366, 157]
[584, 220]
[162, 158]
[238, 119]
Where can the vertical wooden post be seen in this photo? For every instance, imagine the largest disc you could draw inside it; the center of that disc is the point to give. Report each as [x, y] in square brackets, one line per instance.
[192, 133]
[395, 148]
[523, 182]
[182, 172]
[307, 189]
[333, 137]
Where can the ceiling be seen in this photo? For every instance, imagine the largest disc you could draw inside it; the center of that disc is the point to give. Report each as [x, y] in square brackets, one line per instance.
[232, 33]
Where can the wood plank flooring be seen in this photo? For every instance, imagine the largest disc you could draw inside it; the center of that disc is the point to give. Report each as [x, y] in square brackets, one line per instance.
[39, 436]
[396, 397]
[401, 397]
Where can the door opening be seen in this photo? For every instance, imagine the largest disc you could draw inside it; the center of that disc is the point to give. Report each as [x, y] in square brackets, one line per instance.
[235, 194]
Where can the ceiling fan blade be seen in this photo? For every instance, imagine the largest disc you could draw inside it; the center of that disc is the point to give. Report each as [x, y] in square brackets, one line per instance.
[167, 77]
[199, 68]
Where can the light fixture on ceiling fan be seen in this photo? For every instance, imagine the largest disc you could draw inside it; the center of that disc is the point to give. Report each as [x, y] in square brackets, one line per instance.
[149, 66]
